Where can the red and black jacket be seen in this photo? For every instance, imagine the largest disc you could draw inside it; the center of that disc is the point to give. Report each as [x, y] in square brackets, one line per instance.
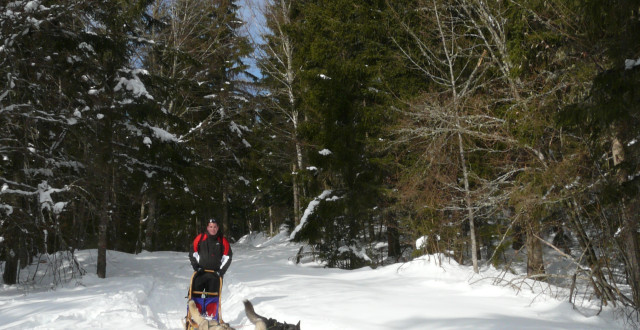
[214, 253]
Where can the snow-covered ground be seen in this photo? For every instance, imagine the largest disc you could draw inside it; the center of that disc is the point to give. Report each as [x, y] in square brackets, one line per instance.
[147, 291]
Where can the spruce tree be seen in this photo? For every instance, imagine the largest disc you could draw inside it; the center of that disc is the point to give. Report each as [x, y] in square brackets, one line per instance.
[607, 120]
[198, 62]
[44, 94]
[342, 49]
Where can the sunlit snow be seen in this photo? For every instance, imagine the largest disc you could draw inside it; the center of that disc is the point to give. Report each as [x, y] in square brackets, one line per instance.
[147, 291]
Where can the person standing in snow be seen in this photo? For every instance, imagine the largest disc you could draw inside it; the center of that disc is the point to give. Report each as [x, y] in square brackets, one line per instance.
[210, 251]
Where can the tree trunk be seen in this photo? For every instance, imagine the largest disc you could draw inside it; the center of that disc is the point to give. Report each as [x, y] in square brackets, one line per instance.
[104, 164]
[469, 205]
[270, 220]
[630, 222]
[102, 235]
[10, 274]
[371, 228]
[151, 223]
[393, 239]
[140, 226]
[296, 196]
[632, 249]
[225, 208]
[535, 262]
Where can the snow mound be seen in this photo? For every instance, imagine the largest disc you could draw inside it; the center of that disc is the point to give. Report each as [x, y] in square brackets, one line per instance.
[258, 239]
[253, 239]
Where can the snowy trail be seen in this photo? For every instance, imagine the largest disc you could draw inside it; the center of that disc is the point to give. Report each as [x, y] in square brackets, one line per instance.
[147, 291]
[143, 291]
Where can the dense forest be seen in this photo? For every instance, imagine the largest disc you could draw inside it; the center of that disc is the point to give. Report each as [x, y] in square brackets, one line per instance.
[380, 130]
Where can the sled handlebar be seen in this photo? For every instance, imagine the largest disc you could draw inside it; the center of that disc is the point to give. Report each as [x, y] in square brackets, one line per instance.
[207, 293]
[208, 271]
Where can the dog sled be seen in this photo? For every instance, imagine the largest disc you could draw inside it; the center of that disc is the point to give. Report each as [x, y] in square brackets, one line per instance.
[207, 303]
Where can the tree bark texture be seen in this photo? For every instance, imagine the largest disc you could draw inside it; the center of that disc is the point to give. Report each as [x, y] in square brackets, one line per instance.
[225, 207]
[10, 274]
[102, 235]
[140, 225]
[393, 239]
[296, 195]
[469, 205]
[270, 220]
[632, 248]
[104, 164]
[151, 223]
[535, 263]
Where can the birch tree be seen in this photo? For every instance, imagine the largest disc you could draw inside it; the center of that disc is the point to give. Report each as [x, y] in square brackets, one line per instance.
[275, 53]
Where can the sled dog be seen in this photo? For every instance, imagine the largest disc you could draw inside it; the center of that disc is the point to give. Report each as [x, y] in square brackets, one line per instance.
[262, 323]
[204, 324]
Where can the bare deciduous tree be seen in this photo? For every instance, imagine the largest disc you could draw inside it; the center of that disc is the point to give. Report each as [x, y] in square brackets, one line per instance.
[455, 117]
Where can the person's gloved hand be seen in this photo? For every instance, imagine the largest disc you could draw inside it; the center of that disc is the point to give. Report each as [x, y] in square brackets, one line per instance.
[195, 267]
[200, 270]
[220, 273]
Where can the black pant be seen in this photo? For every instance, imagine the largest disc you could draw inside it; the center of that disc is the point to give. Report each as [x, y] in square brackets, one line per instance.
[208, 281]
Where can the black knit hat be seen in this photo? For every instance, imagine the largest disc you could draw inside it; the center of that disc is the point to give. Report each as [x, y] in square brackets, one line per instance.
[213, 220]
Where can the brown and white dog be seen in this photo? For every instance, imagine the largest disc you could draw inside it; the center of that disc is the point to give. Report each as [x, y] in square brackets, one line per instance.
[202, 323]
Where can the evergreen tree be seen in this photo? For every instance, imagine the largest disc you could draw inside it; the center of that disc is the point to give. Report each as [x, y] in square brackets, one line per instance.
[123, 120]
[607, 119]
[94, 122]
[342, 49]
[43, 96]
[198, 61]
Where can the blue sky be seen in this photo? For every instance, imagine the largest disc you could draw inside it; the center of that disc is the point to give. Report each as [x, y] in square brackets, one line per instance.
[251, 14]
